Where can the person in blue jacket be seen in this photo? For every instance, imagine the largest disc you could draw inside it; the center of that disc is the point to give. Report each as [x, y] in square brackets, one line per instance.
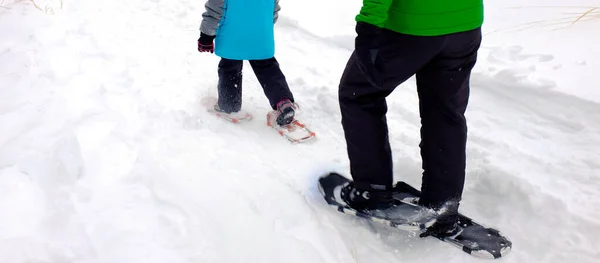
[244, 30]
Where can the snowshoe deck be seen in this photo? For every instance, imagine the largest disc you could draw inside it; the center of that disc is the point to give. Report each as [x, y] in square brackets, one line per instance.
[472, 237]
[295, 132]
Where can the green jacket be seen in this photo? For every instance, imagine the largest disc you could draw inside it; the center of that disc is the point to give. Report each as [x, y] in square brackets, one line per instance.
[423, 17]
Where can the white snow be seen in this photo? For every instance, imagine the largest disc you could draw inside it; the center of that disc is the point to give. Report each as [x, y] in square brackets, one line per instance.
[106, 154]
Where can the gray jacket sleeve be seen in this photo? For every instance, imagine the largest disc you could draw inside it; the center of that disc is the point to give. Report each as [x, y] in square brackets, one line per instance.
[211, 17]
[276, 12]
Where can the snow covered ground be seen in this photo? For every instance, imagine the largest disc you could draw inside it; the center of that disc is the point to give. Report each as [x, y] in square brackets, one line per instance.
[107, 156]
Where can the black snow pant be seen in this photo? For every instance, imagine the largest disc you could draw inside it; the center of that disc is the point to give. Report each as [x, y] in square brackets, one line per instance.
[442, 65]
[267, 72]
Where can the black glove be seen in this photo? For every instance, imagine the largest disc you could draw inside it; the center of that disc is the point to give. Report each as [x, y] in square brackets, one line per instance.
[367, 52]
[205, 43]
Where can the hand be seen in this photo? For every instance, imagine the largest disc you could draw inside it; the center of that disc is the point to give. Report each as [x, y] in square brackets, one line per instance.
[367, 52]
[205, 43]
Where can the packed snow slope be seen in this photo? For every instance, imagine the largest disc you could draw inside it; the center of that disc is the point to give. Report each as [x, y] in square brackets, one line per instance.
[106, 154]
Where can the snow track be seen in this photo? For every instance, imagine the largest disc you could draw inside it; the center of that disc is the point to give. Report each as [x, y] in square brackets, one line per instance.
[106, 154]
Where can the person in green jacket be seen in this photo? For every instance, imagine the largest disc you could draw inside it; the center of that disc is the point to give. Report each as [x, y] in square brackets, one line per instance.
[436, 40]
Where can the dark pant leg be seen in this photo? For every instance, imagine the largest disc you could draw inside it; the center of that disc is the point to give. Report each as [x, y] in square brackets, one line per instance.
[230, 85]
[443, 88]
[364, 107]
[272, 80]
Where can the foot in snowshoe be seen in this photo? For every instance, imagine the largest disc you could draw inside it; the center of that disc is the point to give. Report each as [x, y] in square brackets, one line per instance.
[374, 204]
[285, 112]
[212, 106]
[446, 224]
[233, 114]
[382, 204]
[284, 122]
[218, 109]
[363, 200]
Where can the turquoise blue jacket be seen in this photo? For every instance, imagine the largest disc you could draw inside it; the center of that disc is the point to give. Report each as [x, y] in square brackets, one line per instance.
[244, 29]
